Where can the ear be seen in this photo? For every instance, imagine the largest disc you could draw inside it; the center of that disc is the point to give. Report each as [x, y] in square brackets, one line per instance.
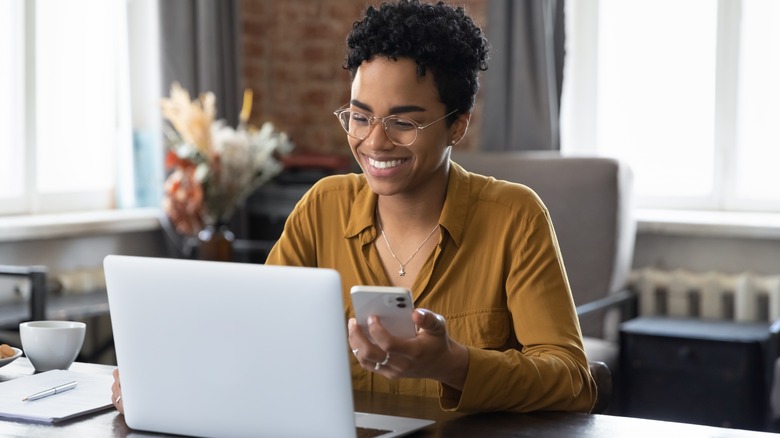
[459, 127]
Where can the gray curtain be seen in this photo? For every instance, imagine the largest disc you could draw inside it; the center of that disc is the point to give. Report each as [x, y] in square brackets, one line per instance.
[523, 83]
[200, 49]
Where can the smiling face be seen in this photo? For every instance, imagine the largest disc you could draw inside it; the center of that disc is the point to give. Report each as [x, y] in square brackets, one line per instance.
[384, 87]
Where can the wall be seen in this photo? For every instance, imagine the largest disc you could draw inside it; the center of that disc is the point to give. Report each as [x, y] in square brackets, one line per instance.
[704, 253]
[79, 252]
[293, 52]
[76, 253]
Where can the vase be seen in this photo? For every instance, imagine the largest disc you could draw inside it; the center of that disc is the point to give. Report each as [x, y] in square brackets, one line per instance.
[215, 242]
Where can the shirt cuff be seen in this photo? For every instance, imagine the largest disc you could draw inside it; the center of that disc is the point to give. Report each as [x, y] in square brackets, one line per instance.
[451, 399]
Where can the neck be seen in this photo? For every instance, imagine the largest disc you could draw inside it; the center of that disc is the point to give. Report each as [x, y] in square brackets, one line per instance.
[414, 211]
[402, 263]
[408, 216]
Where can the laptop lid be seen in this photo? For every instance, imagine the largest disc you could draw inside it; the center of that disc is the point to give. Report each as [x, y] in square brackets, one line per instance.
[233, 349]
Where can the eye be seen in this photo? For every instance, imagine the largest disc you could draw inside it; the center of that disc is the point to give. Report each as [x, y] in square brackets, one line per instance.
[401, 124]
[358, 118]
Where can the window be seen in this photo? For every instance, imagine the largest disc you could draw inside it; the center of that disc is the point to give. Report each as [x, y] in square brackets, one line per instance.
[64, 66]
[685, 91]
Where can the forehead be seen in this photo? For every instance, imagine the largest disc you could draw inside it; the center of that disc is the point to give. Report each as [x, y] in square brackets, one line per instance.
[383, 83]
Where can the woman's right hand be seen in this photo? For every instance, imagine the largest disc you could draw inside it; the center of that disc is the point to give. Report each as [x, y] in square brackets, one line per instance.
[430, 354]
[116, 393]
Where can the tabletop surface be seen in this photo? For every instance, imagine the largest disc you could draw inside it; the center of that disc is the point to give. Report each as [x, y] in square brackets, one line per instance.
[110, 423]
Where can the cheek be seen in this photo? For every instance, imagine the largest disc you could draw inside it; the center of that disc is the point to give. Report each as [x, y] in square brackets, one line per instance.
[353, 145]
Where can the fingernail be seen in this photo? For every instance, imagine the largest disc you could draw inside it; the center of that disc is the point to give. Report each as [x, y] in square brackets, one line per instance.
[371, 319]
[420, 312]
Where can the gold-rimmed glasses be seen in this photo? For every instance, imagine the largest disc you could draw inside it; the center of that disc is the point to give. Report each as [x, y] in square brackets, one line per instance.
[402, 131]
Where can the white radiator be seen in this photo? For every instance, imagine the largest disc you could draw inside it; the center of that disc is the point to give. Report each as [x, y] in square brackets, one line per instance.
[741, 297]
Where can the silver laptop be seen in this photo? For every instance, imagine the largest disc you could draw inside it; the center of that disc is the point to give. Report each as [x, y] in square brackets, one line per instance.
[233, 349]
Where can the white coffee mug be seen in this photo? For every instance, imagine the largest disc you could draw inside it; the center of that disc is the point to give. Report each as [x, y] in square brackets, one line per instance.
[52, 345]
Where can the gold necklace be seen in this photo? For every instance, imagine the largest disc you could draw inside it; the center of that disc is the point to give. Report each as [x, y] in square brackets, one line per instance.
[402, 266]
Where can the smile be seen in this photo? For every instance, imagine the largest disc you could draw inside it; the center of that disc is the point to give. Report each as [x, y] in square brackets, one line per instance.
[384, 164]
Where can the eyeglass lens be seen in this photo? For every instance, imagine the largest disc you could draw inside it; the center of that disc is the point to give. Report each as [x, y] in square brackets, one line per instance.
[399, 130]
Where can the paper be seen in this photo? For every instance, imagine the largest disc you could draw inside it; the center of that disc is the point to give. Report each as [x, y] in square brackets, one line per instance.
[93, 393]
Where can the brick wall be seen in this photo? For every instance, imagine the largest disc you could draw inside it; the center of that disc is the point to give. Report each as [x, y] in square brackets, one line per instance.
[292, 56]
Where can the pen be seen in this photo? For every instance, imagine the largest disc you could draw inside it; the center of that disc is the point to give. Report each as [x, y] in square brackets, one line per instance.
[51, 391]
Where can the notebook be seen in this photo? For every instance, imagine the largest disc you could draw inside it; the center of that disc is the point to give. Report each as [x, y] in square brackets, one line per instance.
[92, 393]
[234, 349]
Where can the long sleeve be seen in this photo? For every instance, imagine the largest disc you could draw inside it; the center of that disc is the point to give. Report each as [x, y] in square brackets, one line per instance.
[548, 370]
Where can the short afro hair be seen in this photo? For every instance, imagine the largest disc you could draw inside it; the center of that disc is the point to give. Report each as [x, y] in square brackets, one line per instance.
[438, 37]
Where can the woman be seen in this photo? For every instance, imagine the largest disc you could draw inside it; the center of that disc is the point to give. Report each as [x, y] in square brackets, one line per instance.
[479, 253]
[497, 327]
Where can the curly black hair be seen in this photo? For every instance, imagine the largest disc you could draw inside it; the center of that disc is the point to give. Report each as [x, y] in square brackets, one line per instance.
[438, 37]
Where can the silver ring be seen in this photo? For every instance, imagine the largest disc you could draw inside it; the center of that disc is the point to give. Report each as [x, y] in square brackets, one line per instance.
[383, 363]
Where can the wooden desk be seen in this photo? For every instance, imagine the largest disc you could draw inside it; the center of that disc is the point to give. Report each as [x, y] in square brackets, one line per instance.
[448, 424]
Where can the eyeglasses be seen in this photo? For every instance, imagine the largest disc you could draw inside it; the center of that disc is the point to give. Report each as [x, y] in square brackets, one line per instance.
[402, 131]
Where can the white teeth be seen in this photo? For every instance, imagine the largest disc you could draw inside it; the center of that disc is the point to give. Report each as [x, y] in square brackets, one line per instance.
[384, 164]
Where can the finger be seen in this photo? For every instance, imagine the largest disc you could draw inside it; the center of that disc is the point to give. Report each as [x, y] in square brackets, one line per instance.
[432, 323]
[351, 324]
[115, 387]
[360, 344]
[384, 362]
[119, 404]
[369, 354]
[378, 332]
[357, 339]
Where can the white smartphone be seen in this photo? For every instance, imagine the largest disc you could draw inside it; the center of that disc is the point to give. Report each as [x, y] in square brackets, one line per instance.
[393, 306]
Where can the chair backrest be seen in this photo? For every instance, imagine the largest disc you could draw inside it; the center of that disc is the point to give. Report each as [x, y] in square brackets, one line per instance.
[589, 203]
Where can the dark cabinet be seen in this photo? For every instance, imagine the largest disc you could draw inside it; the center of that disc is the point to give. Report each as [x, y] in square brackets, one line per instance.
[695, 371]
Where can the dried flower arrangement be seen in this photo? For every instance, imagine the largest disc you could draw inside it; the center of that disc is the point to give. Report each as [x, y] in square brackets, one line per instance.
[213, 167]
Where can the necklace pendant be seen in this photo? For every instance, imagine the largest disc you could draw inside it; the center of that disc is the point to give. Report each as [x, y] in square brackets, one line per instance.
[401, 272]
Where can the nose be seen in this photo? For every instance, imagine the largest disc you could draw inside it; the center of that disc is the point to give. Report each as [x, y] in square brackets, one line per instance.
[377, 137]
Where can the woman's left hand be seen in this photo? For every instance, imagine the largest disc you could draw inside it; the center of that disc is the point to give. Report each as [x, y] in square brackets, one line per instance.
[430, 354]
[116, 393]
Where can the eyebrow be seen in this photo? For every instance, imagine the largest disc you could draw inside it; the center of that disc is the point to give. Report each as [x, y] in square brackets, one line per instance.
[394, 110]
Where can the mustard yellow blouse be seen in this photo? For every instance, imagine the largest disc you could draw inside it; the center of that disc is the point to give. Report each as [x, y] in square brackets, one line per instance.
[497, 276]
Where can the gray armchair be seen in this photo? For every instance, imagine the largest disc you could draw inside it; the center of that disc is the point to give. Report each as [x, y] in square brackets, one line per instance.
[589, 200]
